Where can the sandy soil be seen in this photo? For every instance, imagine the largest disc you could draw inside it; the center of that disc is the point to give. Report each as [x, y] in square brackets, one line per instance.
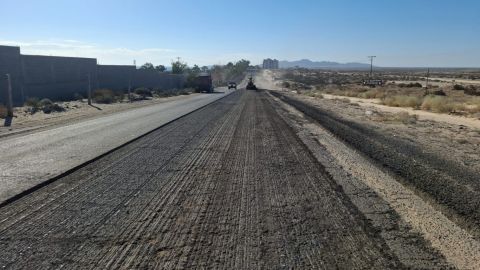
[76, 111]
[374, 105]
[452, 137]
[452, 80]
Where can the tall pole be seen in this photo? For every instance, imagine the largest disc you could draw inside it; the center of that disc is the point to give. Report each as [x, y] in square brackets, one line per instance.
[129, 87]
[9, 96]
[89, 94]
[428, 74]
[371, 64]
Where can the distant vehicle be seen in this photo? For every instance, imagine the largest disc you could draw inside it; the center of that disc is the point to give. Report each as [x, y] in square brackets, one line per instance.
[203, 83]
[251, 85]
[232, 85]
[373, 83]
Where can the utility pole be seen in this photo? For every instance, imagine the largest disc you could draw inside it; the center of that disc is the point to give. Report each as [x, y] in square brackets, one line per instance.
[130, 88]
[89, 94]
[371, 64]
[9, 96]
[428, 75]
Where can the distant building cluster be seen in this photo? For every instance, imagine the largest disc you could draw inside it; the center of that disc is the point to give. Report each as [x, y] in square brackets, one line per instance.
[270, 63]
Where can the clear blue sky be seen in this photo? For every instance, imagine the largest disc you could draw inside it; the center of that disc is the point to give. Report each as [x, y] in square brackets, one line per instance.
[399, 32]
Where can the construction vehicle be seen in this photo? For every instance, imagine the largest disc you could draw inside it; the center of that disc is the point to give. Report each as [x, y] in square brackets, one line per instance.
[250, 84]
[203, 83]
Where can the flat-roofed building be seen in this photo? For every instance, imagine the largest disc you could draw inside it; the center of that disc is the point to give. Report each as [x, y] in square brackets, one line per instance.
[270, 63]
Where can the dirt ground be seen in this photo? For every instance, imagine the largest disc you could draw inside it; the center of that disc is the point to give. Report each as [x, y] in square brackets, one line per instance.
[230, 186]
[457, 142]
[75, 111]
[246, 183]
[454, 137]
[380, 194]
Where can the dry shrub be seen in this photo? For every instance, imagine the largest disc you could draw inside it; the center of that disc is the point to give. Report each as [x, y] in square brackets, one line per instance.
[401, 117]
[476, 105]
[402, 101]
[472, 91]
[405, 118]
[105, 96]
[313, 94]
[348, 93]
[438, 104]
[3, 111]
[372, 94]
[409, 85]
[32, 102]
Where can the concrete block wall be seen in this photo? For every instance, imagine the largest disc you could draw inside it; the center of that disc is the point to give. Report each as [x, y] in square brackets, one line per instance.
[10, 63]
[59, 78]
[155, 80]
[115, 77]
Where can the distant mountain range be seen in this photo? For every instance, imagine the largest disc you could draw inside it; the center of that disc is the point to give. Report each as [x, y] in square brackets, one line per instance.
[306, 63]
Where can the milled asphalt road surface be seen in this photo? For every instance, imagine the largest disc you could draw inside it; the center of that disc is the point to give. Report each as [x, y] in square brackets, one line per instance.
[31, 159]
[229, 186]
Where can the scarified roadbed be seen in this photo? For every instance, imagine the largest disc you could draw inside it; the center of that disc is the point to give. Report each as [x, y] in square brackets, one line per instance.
[229, 186]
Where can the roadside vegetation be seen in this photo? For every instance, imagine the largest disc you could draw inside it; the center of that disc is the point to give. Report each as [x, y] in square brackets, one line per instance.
[221, 75]
[45, 105]
[3, 111]
[449, 98]
[232, 71]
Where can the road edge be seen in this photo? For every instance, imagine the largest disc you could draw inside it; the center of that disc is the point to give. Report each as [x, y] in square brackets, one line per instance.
[77, 167]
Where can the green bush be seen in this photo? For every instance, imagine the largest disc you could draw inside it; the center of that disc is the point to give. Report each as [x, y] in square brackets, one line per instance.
[105, 96]
[458, 87]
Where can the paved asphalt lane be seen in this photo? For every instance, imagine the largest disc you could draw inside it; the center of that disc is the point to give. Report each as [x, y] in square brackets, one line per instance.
[34, 158]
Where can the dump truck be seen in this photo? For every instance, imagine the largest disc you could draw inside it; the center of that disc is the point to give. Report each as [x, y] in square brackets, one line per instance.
[250, 84]
[203, 83]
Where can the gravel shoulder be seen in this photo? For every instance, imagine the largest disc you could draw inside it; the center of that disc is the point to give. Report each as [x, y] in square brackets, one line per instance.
[374, 105]
[75, 111]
